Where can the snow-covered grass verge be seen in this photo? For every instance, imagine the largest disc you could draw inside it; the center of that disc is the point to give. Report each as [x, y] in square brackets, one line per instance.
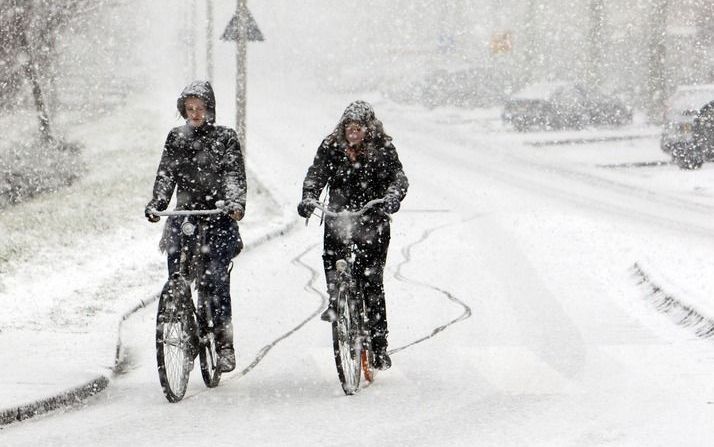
[29, 166]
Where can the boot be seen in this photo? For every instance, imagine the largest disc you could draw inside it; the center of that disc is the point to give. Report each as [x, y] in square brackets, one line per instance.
[224, 344]
[329, 314]
[382, 361]
[226, 359]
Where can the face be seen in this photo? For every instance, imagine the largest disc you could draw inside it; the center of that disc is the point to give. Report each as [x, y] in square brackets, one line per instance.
[195, 111]
[355, 133]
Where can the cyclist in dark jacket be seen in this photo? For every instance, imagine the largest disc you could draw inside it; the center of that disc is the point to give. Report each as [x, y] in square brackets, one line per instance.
[204, 164]
[358, 163]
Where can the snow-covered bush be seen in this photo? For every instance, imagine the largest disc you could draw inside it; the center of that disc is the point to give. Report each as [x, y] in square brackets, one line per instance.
[28, 169]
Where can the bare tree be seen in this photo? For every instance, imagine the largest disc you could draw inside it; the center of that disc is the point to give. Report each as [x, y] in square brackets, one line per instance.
[28, 31]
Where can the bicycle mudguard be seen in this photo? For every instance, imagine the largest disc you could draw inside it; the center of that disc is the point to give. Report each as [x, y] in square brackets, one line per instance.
[177, 290]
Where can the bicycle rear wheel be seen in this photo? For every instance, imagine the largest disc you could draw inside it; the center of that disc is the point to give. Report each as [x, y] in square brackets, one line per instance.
[175, 329]
[346, 342]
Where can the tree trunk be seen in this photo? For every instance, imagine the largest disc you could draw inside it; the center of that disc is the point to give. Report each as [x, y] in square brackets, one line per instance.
[32, 73]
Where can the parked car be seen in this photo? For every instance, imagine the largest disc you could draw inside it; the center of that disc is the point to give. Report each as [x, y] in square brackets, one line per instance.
[682, 111]
[466, 87]
[563, 104]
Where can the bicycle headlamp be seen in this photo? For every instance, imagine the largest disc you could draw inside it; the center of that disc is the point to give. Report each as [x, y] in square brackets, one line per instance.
[188, 228]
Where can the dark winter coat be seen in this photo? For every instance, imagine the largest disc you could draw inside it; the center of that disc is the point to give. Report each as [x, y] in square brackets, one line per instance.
[376, 173]
[203, 164]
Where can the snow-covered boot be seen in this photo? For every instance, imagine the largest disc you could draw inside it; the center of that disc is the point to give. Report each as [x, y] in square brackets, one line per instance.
[382, 360]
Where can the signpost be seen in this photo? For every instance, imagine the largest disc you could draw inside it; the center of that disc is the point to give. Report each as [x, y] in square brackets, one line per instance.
[241, 29]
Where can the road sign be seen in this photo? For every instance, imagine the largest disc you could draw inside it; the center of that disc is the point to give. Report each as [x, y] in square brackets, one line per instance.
[231, 31]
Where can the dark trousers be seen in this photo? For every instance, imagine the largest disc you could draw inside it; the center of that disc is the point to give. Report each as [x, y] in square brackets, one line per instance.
[371, 237]
[221, 243]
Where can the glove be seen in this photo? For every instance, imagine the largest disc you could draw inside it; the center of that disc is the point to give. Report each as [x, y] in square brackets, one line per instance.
[391, 204]
[153, 218]
[306, 207]
[234, 210]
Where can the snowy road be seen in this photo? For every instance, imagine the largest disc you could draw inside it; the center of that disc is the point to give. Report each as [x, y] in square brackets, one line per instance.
[560, 348]
[522, 254]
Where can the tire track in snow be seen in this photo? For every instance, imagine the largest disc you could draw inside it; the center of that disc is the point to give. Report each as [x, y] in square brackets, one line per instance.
[406, 252]
[309, 287]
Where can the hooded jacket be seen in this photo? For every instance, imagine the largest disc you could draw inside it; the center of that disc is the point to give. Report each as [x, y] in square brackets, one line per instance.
[376, 172]
[203, 164]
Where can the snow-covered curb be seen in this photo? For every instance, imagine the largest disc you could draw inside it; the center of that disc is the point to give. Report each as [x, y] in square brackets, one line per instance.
[679, 311]
[65, 399]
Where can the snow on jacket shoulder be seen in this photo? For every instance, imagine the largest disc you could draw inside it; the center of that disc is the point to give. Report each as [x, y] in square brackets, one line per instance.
[376, 172]
[203, 165]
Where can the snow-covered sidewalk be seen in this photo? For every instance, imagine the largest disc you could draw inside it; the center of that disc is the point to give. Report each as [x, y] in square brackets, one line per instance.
[45, 366]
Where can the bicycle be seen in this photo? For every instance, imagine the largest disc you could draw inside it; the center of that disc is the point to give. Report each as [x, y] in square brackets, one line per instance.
[351, 338]
[182, 331]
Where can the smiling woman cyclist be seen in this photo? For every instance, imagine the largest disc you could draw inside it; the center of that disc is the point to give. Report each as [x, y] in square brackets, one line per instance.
[358, 163]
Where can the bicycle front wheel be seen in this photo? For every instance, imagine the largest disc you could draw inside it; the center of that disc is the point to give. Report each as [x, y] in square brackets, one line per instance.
[209, 359]
[346, 339]
[174, 351]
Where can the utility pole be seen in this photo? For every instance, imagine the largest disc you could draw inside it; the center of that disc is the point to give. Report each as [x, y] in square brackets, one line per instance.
[241, 72]
[209, 40]
[531, 42]
[596, 43]
[192, 39]
[656, 56]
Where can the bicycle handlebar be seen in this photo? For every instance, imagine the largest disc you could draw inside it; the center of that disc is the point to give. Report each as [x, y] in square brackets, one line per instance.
[360, 212]
[188, 212]
[218, 210]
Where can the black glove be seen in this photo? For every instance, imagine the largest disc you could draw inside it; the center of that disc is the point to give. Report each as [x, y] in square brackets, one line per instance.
[306, 207]
[148, 212]
[234, 210]
[391, 204]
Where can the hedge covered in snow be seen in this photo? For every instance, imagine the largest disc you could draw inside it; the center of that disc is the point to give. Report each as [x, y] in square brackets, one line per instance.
[32, 168]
